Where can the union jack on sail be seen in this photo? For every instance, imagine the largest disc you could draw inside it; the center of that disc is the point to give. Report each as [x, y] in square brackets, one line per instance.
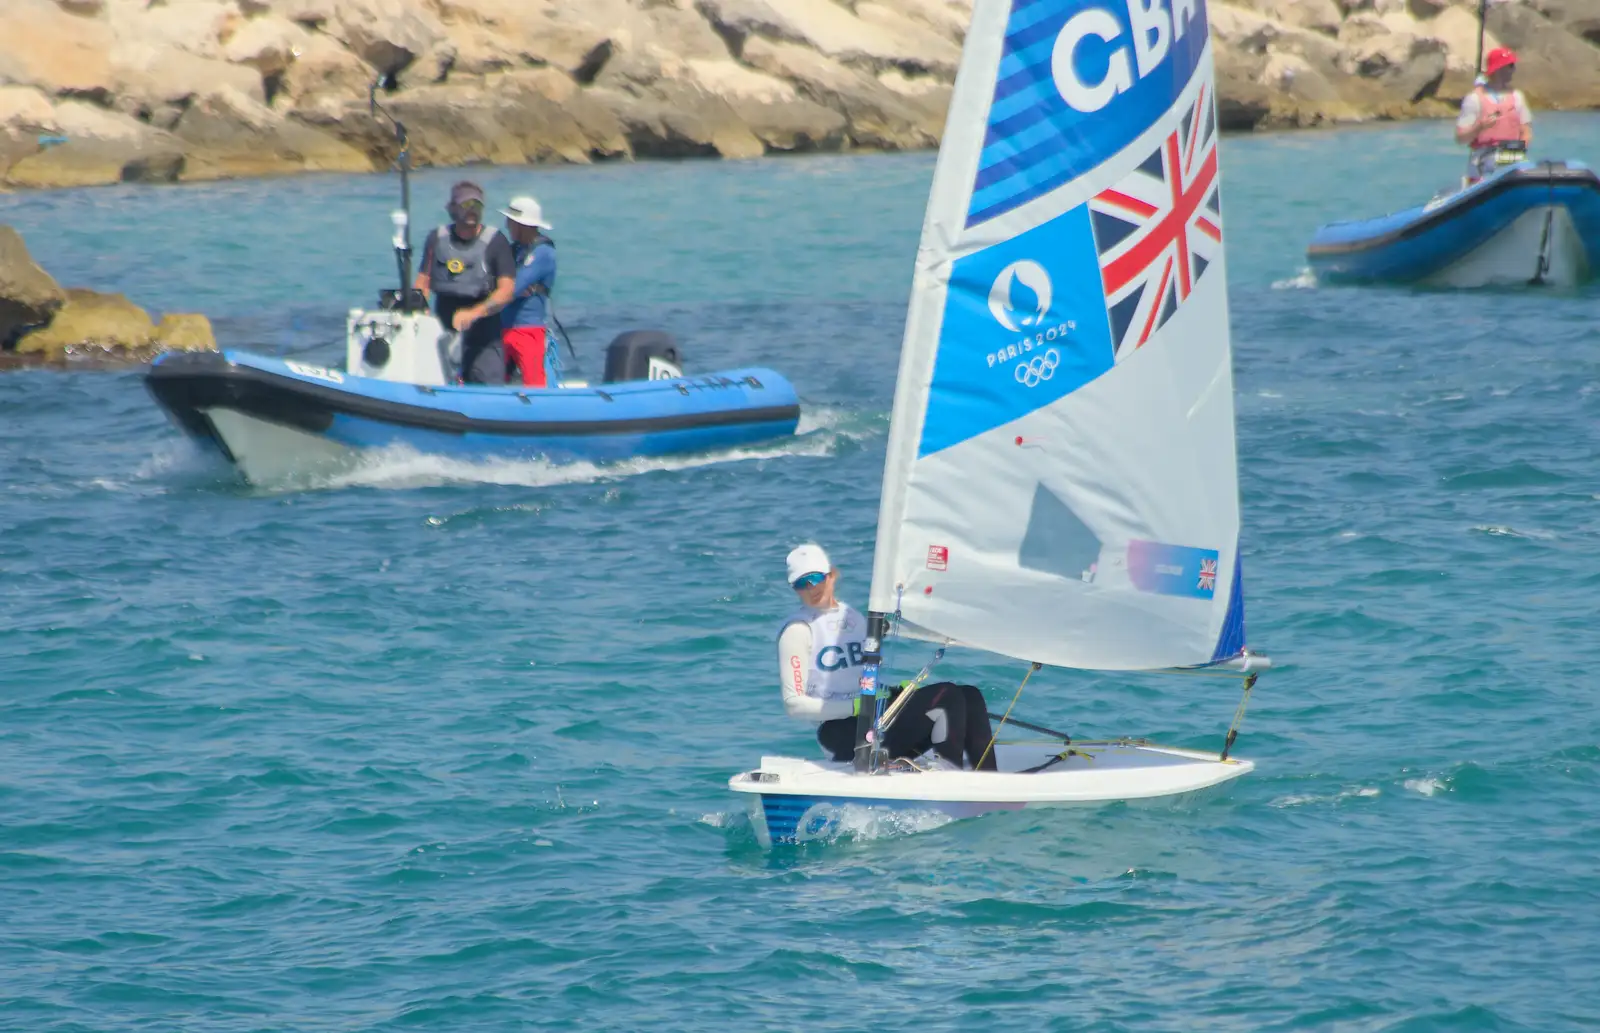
[1159, 228]
[1208, 576]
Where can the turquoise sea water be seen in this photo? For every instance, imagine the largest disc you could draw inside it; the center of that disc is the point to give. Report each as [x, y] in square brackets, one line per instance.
[444, 747]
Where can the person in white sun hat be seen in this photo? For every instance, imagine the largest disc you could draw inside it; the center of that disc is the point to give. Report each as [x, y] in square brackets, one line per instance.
[820, 651]
[524, 322]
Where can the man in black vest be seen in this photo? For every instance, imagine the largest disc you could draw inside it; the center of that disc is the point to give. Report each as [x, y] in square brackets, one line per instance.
[471, 274]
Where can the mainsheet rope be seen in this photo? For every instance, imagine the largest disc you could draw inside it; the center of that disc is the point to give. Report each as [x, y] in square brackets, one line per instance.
[1031, 668]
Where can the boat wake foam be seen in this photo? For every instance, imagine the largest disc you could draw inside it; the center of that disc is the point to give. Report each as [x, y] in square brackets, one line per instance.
[827, 824]
[1304, 280]
[820, 433]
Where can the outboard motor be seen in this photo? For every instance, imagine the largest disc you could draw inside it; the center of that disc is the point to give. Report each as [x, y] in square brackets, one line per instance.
[643, 355]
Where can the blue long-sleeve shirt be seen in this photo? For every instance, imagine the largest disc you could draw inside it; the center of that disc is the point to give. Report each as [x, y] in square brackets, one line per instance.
[536, 265]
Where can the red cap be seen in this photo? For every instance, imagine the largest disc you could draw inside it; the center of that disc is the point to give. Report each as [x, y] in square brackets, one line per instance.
[1499, 58]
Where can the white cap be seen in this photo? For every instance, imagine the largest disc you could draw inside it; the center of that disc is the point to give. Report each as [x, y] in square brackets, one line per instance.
[807, 559]
[525, 211]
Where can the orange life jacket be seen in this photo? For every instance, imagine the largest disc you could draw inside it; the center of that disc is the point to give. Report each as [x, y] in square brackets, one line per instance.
[1507, 128]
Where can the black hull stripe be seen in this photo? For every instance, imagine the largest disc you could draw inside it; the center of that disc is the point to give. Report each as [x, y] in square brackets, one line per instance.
[1522, 179]
[185, 385]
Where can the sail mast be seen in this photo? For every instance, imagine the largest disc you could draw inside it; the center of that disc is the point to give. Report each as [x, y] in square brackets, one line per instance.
[959, 151]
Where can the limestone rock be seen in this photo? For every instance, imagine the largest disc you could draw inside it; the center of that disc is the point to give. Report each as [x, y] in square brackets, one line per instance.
[679, 121]
[1457, 28]
[1554, 67]
[102, 147]
[386, 34]
[1405, 67]
[269, 45]
[877, 114]
[510, 118]
[26, 116]
[185, 332]
[1427, 9]
[1322, 16]
[89, 319]
[1581, 18]
[536, 32]
[28, 294]
[156, 83]
[229, 134]
[949, 18]
[323, 79]
[876, 39]
[194, 26]
[42, 45]
[774, 111]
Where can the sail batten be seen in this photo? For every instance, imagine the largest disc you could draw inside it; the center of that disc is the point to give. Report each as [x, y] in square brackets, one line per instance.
[1061, 483]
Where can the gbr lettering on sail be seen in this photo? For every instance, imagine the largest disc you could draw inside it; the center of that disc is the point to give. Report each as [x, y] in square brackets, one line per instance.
[1099, 55]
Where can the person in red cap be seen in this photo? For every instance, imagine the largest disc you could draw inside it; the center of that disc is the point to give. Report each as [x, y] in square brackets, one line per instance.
[1494, 116]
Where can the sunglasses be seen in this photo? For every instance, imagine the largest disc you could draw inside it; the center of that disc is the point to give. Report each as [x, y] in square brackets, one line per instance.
[809, 581]
[471, 206]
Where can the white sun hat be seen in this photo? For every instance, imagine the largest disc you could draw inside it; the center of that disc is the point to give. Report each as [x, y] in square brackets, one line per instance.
[525, 211]
[807, 559]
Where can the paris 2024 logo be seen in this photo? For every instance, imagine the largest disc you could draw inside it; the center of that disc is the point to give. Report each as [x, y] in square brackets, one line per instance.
[1020, 301]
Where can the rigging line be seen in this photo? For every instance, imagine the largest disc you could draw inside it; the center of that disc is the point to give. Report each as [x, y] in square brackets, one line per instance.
[1031, 668]
[1041, 729]
[1238, 717]
[906, 689]
[1543, 266]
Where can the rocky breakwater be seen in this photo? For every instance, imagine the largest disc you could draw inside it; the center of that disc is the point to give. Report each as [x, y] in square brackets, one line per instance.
[42, 323]
[1287, 63]
[96, 91]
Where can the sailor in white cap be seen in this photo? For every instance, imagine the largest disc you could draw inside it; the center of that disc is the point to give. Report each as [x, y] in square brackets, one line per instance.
[524, 322]
[820, 653]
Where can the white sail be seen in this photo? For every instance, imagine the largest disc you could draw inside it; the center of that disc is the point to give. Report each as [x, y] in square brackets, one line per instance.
[1061, 481]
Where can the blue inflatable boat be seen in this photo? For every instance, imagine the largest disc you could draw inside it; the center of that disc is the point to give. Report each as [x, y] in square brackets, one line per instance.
[1528, 223]
[280, 419]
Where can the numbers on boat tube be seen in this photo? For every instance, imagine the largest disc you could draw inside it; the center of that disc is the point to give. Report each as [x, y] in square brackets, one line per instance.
[332, 376]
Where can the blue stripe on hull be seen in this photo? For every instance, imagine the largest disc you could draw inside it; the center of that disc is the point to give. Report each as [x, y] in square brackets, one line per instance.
[793, 819]
[356, 432]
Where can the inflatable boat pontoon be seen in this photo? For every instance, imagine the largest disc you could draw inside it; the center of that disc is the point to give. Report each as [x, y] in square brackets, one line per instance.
[1529, 223]
[276, 419]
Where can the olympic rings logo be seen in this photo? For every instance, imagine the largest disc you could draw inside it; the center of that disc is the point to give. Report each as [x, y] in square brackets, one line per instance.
[1038, 369]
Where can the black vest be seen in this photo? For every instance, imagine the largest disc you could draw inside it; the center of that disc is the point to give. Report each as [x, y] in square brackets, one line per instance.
[461, 270]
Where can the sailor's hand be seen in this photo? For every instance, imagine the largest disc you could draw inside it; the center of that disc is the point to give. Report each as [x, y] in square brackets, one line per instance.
[464, 318]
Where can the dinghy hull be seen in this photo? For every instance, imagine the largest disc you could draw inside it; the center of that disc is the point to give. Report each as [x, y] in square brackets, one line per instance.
[276, 419]
[795, 800]
[1532, 223]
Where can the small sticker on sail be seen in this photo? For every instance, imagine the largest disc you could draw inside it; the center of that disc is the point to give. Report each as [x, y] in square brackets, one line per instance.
[938, 557]
[1173, 569]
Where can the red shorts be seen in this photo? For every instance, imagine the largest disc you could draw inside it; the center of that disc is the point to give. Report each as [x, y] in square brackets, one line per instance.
[524, 347]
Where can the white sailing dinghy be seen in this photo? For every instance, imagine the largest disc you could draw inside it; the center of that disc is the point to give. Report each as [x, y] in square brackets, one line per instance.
[1061, 483]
